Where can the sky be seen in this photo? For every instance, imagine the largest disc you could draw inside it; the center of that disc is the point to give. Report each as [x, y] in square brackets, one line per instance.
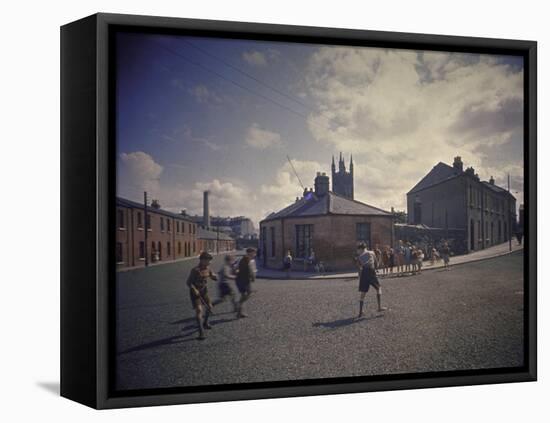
[197, 113]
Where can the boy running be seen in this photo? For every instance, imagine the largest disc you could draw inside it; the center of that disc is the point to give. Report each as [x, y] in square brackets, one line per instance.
[198, 292]
[225, 274]
[366, 264]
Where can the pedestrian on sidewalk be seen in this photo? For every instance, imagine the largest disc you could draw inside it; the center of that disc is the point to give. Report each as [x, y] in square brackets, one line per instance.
[419, 259]
[378, 254]
[226, 274]
[407, 256]
[399, 258]
[385, 260]
[287, 263]
[366, 264]
[245, 276]
[445, 253]
[198, 292]
[414, 259]
[392, 260]
[310, 261]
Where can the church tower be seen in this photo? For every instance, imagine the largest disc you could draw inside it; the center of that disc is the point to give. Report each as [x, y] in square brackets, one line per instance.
[342, 180]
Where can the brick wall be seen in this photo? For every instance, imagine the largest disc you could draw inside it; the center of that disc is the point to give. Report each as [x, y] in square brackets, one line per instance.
[334, 238]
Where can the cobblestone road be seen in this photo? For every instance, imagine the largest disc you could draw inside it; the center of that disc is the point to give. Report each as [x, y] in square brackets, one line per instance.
[468, 318]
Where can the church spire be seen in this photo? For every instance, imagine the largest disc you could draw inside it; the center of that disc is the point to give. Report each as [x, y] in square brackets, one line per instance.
[351, 163]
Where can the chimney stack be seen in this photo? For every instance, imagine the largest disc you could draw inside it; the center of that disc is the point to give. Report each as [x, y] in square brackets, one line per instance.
[457, 164]
[321, 184]
[492, 181]
[206, 210]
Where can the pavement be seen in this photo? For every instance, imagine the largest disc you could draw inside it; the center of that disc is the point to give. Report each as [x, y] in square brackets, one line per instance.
[491, 252]
[470, 317]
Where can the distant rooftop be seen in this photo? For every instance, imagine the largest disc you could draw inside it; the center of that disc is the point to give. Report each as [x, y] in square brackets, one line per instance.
[212, 235]
[442, 172]
[133, 204]
[330, 204]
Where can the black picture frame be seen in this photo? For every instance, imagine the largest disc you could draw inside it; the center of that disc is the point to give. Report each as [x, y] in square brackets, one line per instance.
[87, 209]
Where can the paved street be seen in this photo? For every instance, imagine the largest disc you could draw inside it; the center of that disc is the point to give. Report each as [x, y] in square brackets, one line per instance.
[468, 318]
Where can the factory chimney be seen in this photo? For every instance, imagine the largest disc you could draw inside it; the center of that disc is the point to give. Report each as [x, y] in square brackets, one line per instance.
[206, 210]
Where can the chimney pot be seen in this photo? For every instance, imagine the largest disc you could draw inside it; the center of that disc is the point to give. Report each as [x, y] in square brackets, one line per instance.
[457, 164]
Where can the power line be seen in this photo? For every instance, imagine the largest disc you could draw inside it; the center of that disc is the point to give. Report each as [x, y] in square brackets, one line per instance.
[259, 81]
[219, 75]
[265, 84]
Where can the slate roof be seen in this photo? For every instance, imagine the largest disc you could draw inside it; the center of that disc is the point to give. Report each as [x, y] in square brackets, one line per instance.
[495, 188]
[443, 172]
[213, 235]
[440, 172]
[332, 204]
[129, 203]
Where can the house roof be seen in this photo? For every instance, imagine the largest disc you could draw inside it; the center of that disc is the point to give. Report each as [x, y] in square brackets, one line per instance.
[443, 172]
[495, 188]
[212, 235]
[132, 204]
[333, 204]
[439, 173]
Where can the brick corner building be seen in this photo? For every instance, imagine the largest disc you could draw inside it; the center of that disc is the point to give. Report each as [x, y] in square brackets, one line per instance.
[452, 198]
[329, 223]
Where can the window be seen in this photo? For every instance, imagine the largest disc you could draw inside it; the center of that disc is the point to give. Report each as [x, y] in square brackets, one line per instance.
[139, 222]
[141, 250]
[417, 211]
[168, 226]
[362, 231]
[304, 240]
[149, 220]
[479, 229]
[177, 227]
[272, 237]
[190, 229]
[162, 224]
[120, 218]
[182, 227]
[119, 258]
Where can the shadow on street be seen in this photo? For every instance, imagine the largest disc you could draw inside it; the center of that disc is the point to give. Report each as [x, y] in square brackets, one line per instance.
[335, 324]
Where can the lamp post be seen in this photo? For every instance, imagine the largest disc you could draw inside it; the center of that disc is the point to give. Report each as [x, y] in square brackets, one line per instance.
[145, 221]
[509, 217]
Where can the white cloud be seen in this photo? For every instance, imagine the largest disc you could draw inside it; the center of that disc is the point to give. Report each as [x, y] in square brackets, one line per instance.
[258, 58]
[205, 95]
[401, 112]
[286, 186]
[185, 134]
[255, 58]
[261, 138]
[137, 172]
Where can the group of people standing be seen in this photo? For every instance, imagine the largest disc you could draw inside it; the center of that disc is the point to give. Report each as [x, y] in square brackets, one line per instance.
[407, 258]
[242, 272]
